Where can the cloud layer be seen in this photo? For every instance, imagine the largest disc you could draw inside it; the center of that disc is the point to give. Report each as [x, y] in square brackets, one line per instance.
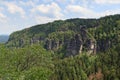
[107, 1]
[48, 12]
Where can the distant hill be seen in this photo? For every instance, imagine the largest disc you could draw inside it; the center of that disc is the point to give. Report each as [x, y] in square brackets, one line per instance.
[3, 38]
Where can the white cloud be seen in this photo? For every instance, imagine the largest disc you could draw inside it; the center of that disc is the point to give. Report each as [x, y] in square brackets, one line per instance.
[61, 1]
[43, 19]
[109, 12]
[47, 13]
[46, 1]
[83, 12]
[1, 9]
[78, 10]
[3, 18]
[13, 8]
[72, 1]
[107, 1]
[49, 10]
[28, 3]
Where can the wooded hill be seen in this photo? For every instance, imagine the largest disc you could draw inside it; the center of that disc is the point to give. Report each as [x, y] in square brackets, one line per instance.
[73, 49]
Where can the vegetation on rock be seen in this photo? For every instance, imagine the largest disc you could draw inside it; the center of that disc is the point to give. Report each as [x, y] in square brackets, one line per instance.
[74, 49]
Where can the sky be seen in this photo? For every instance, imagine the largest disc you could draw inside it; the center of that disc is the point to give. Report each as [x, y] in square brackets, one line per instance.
[19, 14]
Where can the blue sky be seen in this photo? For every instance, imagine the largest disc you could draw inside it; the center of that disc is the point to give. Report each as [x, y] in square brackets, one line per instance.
[19, 14]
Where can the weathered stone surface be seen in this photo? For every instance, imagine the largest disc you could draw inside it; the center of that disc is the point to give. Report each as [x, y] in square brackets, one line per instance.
[74, 46]
[103, 44]
[52, 44]
[79, 43]
[91, 46]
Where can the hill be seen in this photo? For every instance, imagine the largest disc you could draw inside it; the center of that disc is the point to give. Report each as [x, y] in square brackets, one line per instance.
[73, 49]
[71, 36]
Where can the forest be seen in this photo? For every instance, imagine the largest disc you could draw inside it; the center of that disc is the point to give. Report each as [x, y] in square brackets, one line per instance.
[72, 49]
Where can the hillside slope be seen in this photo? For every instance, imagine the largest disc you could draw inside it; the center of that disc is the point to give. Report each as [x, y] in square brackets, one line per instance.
[39, 52]
[71, 36]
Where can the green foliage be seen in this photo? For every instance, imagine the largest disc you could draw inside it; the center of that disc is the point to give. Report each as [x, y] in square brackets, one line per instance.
[39, 73]
[61, 35]
[18, 63]
[82, 67]
[24, 58]
[35, 63]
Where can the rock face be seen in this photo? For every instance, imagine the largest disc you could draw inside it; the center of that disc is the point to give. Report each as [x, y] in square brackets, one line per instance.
[75, 46]
[103, 44]
[91, 47]
[79, 43]
[52, 44]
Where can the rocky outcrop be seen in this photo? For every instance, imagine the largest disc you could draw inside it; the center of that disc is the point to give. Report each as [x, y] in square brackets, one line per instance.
[91, 46]
[103, 44]
[79, 43]
[52, 44]
[75, 46]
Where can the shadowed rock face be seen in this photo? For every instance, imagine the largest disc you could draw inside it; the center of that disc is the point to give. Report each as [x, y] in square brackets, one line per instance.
[74, 46]
[91, 46]
[79, 43]
[52, 44]
[105, 44]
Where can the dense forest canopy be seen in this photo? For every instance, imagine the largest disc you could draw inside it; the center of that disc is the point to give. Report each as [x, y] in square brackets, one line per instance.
[73, 49]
